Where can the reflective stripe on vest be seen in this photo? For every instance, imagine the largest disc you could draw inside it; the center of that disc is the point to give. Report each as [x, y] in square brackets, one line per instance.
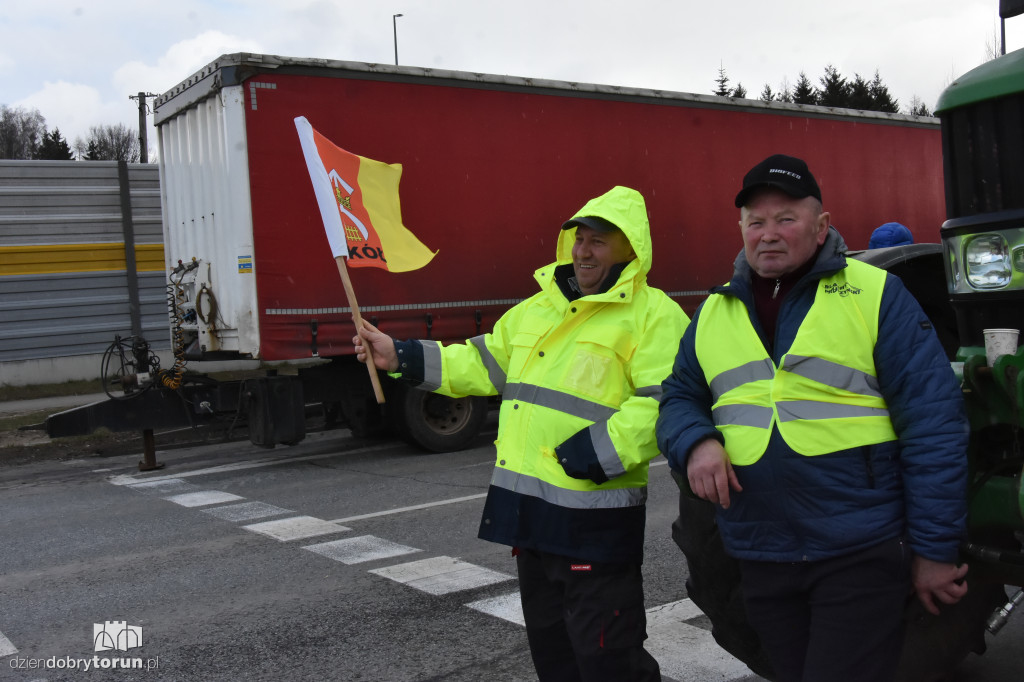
[610, 498]
[825, 395]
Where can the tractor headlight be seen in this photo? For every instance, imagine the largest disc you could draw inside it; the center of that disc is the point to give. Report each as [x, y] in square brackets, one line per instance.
[987, 261]
[986, 257]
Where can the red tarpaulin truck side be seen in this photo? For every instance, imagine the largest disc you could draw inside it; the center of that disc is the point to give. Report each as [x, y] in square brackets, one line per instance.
[492, 166]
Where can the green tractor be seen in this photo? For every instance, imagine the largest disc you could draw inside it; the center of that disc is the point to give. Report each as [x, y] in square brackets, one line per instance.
[970, 285]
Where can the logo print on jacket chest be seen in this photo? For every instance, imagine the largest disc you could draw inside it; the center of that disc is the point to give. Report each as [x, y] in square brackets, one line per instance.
[841, 289]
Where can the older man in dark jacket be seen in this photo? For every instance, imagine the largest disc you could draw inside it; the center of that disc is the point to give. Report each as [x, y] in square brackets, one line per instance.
[812, 402]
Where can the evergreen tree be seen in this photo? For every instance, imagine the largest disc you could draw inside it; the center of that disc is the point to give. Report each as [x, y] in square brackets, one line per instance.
[883, 101]
[835, 91]
[92, 152]
[803, 91]
[723, 83]
[54, 148]
[860, 94]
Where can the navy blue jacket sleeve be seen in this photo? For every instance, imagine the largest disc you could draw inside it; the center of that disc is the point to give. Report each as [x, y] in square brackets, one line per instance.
[927, 411]
[684, 414]
[410, 360]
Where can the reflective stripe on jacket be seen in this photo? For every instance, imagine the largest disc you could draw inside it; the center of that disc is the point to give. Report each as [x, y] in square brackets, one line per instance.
[825, 391]
[595, 364]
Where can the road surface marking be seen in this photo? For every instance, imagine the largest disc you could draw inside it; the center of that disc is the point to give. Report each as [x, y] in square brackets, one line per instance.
[686, 651]
[360, 549]
[133, 479]
[203, 498]
[505, 606]
[414, 507]
[441, 575]
[295, 528]
[164, 486]
[246, 511]
[6, 648]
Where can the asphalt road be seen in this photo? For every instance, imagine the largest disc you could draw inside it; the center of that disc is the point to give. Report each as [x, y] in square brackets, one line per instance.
[335, 559]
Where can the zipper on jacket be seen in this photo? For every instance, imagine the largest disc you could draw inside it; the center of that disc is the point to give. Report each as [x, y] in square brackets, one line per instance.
[778, 283]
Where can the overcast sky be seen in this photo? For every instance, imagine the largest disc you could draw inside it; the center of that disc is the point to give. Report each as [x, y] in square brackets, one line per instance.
[78, 61]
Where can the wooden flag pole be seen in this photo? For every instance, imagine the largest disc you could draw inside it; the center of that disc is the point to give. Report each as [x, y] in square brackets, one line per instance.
[358, 319]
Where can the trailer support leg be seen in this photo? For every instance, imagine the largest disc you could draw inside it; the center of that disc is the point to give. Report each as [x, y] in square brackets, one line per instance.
[148, 462]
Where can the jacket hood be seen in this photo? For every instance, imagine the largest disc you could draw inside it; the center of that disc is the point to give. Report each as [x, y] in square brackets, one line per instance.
[626, 209]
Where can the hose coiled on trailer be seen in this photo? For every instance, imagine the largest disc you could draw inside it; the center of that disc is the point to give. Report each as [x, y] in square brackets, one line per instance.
[171, 378]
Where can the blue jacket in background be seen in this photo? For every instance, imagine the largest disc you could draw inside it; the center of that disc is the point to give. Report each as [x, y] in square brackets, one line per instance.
[798, 508]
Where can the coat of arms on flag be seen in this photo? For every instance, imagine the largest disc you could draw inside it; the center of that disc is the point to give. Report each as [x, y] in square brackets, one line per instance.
[358, 200]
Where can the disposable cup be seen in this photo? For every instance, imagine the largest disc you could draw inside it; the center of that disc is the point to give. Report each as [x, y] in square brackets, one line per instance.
[999, 342]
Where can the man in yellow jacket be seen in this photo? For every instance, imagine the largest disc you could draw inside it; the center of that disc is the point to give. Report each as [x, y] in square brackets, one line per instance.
[579, 366]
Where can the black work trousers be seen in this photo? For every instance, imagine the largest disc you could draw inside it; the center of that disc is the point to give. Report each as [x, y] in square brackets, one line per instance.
[585, 620]
[839, 619]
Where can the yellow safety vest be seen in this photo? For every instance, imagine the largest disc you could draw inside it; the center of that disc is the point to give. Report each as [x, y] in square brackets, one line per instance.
[824, 396]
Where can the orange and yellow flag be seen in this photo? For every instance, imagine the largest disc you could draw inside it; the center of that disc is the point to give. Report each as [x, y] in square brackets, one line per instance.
[358, 200]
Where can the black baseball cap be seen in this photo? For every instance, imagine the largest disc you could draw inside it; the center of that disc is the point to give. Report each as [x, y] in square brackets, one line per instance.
[787, 173]
[594, 222]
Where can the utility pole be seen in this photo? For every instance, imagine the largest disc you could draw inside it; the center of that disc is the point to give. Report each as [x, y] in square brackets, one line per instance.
[143, 143]
[394, 26]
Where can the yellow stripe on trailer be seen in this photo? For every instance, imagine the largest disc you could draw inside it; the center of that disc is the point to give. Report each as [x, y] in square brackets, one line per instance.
[52, 259]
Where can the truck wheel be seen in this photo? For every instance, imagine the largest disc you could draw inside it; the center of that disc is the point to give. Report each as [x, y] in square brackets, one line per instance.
[435, 422]
[933, 645]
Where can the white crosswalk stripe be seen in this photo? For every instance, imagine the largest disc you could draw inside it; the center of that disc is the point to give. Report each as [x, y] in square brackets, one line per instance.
[505, 606]
[6, 647]
[203, 498]
[441, 575]
[246, 511]
[360, 549]
[687, 652]
[295, 528]
[164, 486]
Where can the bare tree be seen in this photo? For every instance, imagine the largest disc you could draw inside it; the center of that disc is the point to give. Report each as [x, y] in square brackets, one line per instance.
[110, 143]
[785, 93]
[918, 107]
[993, 45]
[21, 132]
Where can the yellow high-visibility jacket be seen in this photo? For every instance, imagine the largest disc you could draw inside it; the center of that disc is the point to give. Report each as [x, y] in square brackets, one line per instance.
[580, 382]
